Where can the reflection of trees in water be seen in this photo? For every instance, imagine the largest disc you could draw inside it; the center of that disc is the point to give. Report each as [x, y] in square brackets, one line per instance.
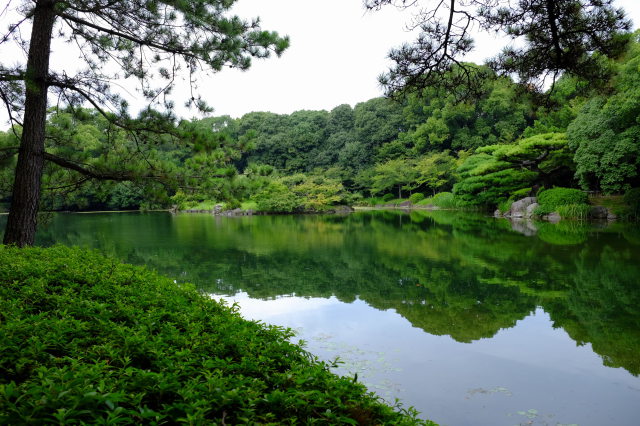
[462, 275]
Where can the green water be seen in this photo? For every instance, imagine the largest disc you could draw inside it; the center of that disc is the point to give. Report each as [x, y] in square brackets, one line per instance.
[470, 319]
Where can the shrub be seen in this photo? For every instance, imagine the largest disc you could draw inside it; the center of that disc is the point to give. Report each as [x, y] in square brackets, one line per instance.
[445, 200]
[87, 340]
[387, 197]
[276, 197]
[632, 199]
[555, 197]
[417, 197]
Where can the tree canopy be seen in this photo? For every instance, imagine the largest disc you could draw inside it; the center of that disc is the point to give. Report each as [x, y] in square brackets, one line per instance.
[151, 41]
[552, 37]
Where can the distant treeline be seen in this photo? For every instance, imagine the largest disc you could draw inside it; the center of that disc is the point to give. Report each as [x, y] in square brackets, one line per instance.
[505, 143]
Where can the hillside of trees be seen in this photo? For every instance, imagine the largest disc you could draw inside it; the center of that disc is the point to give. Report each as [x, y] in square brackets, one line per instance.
[503, 144]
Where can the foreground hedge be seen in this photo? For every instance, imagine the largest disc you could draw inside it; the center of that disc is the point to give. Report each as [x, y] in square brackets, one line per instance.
[85, 339]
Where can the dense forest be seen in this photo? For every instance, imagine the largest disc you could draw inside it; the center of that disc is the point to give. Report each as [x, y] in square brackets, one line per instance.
[505, 143]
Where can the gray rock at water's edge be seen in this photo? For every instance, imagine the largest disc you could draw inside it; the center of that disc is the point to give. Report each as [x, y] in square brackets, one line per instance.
[602, 212]
[342, 209]
[530, 209]
[519, 208]
[598, 212]
[497, 213]
[405, 204]
[217, 209]
[238, 212]
[553, 217]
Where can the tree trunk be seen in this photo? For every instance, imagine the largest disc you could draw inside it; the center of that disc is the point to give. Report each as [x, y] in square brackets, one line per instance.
[21, 224]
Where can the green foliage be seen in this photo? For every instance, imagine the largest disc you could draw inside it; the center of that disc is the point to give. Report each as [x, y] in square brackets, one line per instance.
[436, 171]
[497, 172]
[444, 200]
[553, 198]
[606, 134]
[564, 37]
[505, 206]
[486, 152]
[416, 197]
[574, 211]
[318, 193]
[299, 193]
[86, 339]
[394, 175]
[276, 197]
[632, 200]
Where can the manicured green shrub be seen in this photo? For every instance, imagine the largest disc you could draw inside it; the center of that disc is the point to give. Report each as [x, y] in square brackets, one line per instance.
[572, 202]
[417, 197]
[445, 200]
[87, 340]
[555, 197]
[387, 197]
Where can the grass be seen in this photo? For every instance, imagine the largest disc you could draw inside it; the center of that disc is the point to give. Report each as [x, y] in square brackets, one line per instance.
[85, 339]
[203, 205]
[445, 200]
[574, 211]
[615, 203]
[249, 205]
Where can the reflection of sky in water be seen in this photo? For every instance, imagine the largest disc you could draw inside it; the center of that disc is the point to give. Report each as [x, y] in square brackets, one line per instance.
[530, 374]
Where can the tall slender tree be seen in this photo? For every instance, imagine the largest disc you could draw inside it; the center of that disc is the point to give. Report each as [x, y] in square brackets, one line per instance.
[153, 41]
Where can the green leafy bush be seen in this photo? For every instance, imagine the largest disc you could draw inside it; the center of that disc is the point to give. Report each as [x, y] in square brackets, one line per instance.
[445, 200]
[277, 197]
[550, 199]
[416, 198]
[387, 197]
[87, 340]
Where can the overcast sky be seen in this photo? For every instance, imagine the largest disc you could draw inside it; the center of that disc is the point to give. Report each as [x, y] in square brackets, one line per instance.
[337, 51]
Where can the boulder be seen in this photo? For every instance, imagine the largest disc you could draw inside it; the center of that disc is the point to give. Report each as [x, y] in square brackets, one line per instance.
[342, 209]
[612, 216]
[519, 208]
[553, 217]
[497, 213]
[217, 209]
[405, 204]
[530, 209]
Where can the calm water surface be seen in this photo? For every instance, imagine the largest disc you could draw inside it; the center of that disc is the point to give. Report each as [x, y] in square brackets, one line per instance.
[471, 320]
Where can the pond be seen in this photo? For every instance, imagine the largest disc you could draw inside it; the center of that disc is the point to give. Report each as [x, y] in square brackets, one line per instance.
[471, 320]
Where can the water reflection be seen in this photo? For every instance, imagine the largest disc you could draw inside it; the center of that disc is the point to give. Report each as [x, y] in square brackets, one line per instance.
[547, 295]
